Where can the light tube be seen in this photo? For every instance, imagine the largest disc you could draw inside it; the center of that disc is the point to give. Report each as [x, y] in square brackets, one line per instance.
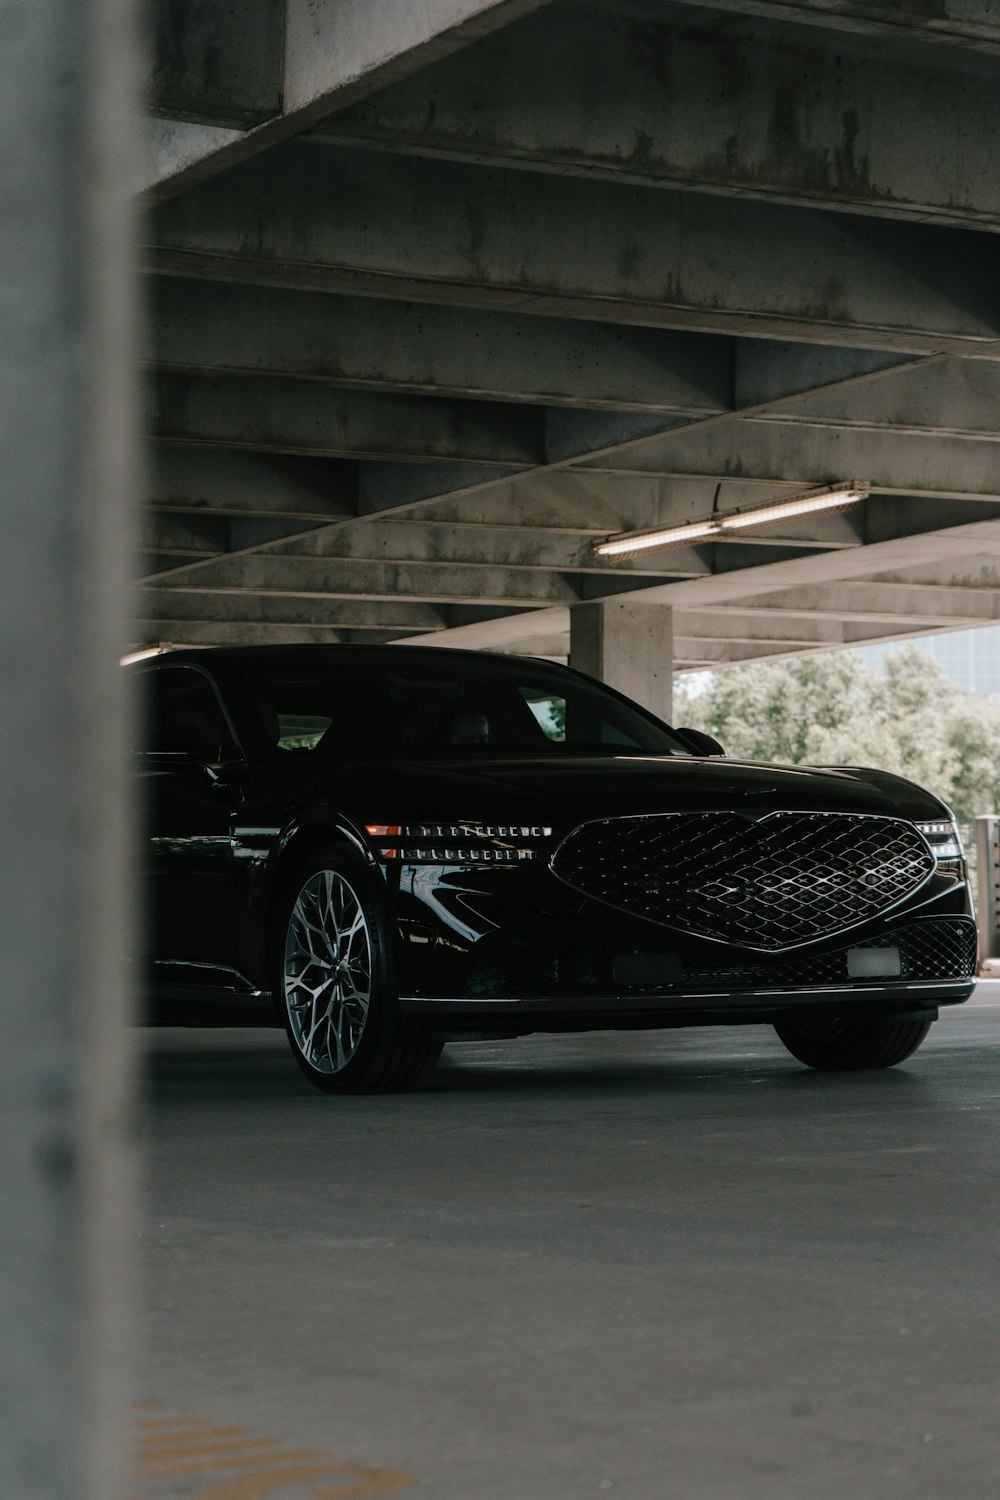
[670, 536]
[838, 497]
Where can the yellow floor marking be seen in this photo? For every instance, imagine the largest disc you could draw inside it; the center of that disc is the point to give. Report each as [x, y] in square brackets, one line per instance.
[157, 1452]
[168, 1447]
[255, 1486]
[172, 1468]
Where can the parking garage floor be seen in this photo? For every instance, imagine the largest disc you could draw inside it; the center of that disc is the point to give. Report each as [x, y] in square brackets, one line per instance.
[663, 1266]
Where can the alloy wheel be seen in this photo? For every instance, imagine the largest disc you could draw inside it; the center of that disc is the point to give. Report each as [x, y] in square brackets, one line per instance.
[327, 971]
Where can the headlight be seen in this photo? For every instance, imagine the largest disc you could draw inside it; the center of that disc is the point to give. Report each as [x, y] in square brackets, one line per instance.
[459, 843]
[946, 843]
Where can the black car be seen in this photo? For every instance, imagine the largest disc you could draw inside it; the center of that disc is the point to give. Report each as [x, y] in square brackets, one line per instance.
[384, 847]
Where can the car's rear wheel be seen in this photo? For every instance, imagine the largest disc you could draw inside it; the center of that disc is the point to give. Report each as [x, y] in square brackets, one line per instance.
[840, 1044]
[336, 984]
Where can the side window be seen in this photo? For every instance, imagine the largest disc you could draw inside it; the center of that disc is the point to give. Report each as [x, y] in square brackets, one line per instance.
[549, 713]
[187, 717]
[578, 720]
[301, 731]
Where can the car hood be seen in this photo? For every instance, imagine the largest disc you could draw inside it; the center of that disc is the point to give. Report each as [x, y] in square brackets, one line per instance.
[570, 788]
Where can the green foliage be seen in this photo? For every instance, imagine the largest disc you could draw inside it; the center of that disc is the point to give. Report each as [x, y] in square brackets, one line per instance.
[834, 710]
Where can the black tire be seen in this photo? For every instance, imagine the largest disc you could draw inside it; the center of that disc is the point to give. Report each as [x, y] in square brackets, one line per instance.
[841, 1045]
[334, 978]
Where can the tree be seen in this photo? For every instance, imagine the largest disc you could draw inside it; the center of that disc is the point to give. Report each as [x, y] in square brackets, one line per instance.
[832, 709]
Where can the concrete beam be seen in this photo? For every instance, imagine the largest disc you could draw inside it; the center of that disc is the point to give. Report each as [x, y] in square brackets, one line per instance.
[216, 64]
[512, 547]
[180, 538]
[279, 416]
[330, 578]
[940, 398]
[328, 220]
[213, 536]
[953, 23]
[176, 633]
[332, 56]
[872, 602]
[730, 587]
[764, 111]
[770, 449]
[226, 482]
[980, 570]
[404, 347]
[731, 625]
[594, 504]
[171, 608]
[173, 634]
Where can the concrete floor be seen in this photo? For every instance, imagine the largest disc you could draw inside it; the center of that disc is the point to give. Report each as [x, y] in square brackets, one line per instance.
[667, 1266]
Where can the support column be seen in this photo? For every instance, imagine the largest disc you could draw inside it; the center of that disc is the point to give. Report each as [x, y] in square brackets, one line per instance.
[66, 488]
[628, 646]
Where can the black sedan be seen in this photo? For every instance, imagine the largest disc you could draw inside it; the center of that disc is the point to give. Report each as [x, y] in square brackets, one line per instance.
[384, 847]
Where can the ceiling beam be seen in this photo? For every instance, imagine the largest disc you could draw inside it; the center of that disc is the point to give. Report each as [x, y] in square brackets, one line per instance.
[410, 348]
[780, 452]
[936, 398]
[921, 547]
[281, 416]
[173, 606]
[223, 481]
[215, 64]
[873, 602]
[952, 23]
[336, 578]
[773, 375]
[330, 55]
[328, 220]
[817, 118]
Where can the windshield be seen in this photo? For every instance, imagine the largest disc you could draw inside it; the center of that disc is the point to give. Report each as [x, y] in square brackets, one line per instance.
[325, 710]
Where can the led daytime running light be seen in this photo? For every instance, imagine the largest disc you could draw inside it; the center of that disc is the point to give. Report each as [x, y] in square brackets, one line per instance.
[827, 501]
[944, 839]
[457, 843]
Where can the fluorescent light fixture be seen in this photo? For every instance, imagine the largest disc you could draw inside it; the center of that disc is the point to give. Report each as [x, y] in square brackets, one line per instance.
[826, 501]
[142, 654]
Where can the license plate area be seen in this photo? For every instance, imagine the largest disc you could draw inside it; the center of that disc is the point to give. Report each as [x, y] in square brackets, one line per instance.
[874, 963]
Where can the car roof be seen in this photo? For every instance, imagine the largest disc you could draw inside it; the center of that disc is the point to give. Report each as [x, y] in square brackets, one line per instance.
[241, 655]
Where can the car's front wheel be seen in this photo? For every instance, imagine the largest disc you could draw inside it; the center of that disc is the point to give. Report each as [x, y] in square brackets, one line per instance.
[840, 1044]
[336, 986]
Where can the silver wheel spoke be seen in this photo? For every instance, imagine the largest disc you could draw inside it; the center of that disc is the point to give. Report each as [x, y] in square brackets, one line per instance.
[328, 971]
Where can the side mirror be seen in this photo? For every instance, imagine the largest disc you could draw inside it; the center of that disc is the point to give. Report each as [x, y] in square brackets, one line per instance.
[699, 742]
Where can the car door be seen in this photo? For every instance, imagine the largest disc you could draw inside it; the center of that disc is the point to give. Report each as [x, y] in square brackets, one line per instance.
[191, 785]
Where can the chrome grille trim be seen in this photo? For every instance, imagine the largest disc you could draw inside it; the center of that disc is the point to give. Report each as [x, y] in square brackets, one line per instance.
[766, 883]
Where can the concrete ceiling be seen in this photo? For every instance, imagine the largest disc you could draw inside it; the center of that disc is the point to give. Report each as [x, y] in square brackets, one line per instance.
[439, 293]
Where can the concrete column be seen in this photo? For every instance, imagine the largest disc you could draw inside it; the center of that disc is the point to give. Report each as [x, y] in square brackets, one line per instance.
[628, 646]
[66, 483]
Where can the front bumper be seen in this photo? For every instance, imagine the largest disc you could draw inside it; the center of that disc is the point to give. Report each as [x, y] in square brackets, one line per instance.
[499, 952]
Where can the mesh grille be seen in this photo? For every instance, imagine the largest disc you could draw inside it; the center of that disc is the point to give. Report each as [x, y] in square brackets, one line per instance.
[529, 963]
[928, 950]
[767, 883]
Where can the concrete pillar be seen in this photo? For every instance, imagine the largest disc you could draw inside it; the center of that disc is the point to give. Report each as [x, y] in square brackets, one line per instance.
[628, 646]
[66, 483]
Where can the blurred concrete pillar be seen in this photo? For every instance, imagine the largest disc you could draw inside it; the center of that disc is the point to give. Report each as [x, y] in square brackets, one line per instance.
[66, 482]
[628, 646]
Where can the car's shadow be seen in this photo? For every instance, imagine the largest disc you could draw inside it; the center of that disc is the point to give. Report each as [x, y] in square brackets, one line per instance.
[183, 1067]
